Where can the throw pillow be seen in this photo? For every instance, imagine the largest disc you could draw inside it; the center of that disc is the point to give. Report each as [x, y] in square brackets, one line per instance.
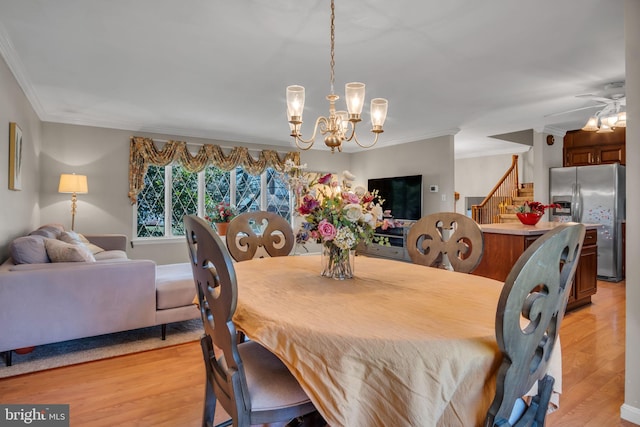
[60, 251]
[95, 249]
[78, 239]
[46, 231]
[29, 250]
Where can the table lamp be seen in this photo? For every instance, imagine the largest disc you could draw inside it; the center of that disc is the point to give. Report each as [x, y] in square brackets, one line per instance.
[74, 184]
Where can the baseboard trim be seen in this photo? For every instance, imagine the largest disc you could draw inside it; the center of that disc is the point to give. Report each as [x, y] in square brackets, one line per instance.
[630, 413]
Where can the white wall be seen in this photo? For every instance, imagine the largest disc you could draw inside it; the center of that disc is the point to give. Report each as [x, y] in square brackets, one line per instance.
[432, 158]
[19, 210]
[631, 407]
[544, 157]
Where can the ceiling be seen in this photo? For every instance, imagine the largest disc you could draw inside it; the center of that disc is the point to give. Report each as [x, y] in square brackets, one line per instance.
[218, 69]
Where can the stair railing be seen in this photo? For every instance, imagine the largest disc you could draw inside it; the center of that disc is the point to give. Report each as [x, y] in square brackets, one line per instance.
[489, 210]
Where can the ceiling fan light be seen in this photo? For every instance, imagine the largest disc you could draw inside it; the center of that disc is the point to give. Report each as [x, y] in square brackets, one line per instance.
[622, 119]
[604, 128]
[592, 124]
[611, 120]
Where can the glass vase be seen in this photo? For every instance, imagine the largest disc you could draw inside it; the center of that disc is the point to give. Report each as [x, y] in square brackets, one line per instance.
[337, 263]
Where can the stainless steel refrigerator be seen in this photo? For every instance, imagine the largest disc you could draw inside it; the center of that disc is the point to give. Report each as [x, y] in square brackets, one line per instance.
[593, 195]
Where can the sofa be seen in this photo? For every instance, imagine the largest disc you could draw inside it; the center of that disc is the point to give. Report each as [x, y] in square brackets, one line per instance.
[59, 285]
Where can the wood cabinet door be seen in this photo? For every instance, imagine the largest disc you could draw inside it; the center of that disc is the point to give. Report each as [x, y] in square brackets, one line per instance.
[581, 156]
[611, 154]
[586, 283]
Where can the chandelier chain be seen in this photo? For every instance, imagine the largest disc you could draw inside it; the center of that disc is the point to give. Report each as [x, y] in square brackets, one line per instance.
[333, 38]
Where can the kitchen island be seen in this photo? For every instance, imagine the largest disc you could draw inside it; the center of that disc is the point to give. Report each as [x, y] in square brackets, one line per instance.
[504, 243]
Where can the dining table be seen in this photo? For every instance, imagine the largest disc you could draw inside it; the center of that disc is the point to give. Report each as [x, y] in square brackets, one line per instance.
[400, 344]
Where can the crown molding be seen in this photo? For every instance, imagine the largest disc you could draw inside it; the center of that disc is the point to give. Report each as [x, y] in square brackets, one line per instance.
[15, 65]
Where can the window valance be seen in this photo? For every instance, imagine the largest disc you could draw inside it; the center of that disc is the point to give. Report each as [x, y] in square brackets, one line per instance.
[143, 152]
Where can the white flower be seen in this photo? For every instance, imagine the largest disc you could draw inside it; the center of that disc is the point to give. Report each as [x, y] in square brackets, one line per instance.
[369, 219]
[360, 191]
[377, 211]
[345, 239]
[348, 176]
[289, 165]
[353, 212]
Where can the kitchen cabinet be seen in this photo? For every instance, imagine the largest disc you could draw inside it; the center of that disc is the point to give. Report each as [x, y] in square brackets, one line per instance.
[583, 148]
[504, 243]
[585, 156]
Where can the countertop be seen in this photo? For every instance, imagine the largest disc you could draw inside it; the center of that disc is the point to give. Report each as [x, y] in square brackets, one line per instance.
[517, 228]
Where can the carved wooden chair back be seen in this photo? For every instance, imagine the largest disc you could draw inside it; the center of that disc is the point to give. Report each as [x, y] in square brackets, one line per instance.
[528, 318]
[250, 230]
[449, 234]
[243, 366]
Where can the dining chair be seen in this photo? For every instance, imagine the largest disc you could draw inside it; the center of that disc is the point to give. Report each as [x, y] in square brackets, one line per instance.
[251, 383]
[443, 237]
[528, 318]
[250, 230]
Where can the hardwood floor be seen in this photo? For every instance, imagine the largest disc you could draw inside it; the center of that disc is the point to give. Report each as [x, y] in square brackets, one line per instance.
[165, 387]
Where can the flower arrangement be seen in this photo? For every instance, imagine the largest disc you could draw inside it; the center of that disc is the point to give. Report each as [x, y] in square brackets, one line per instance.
[223, 212]
[535, 207]
[339, 218]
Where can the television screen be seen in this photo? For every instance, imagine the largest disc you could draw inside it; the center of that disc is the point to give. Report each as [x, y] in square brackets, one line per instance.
[402, 195]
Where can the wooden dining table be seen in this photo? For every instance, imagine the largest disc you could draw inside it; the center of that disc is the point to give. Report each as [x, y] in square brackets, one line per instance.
[398, 345]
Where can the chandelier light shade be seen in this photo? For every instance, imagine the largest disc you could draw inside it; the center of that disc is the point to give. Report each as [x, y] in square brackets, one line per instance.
[339, 126]
[74, 184]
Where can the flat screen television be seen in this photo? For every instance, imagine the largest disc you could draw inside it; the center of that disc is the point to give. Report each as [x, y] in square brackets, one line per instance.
[402, 195]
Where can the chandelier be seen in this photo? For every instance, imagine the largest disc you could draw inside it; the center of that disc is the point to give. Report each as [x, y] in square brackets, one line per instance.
[340, 125]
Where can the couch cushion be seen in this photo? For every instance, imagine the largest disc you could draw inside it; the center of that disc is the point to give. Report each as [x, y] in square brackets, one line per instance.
[110, 255]
[29, 250]
[60, 251]
[174, 286]
[78, 239]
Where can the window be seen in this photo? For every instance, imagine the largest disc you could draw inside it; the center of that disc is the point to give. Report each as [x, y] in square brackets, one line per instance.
[160, 208]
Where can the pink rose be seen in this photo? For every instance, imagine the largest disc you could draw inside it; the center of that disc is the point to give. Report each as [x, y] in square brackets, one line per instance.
[350, 197]
[327, 230]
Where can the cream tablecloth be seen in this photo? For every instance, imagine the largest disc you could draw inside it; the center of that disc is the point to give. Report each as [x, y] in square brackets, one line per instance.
[399, 345]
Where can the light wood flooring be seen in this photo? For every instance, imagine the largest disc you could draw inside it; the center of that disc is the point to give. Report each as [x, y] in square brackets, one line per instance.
[165, 387]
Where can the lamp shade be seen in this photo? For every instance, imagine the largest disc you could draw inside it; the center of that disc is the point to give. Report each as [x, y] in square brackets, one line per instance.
[72, 183]
[592, 124]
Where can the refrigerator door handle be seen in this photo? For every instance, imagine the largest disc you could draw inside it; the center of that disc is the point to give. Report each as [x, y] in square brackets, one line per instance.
[573, 202]
[578, 213]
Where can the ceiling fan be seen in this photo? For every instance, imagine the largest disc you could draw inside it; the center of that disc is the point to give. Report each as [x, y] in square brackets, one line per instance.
[612, 109]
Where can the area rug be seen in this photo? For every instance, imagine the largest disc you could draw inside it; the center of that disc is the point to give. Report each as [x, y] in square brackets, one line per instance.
[101, 347]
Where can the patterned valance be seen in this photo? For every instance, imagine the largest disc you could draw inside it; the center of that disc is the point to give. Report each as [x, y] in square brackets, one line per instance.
[143, 152]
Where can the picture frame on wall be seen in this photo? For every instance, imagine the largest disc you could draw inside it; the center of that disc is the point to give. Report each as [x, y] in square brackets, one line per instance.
[15, 157]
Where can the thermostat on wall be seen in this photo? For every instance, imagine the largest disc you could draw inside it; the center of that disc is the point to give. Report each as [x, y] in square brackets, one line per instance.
[433, 188]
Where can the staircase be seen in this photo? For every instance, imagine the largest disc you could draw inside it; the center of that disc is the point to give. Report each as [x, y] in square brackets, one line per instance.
[507, 210]
[499, 206]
